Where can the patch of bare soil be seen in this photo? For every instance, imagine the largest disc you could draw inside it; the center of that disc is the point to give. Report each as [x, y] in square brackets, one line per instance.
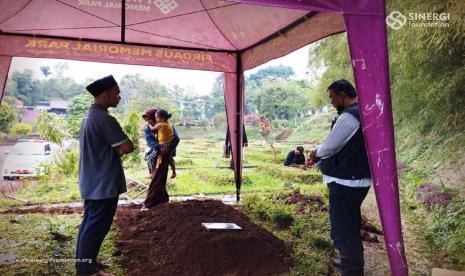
[7, 187]
[284, 134]
[169, 240]
[65, 210]
[376, 260]
[452, 175]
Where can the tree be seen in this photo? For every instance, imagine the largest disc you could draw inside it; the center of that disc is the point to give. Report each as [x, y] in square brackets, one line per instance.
[332, 57]
[7, 117]
[131, 128]
[151, 94]
[272, 73]
[51, 127]
[26, 86]
[59, 88]
[283, 100]
[77, 108]
[217, 96]
[45, 70]
[129, 85]
[60, 68]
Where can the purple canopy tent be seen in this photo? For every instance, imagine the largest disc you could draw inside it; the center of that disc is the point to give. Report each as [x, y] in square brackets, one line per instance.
[222, 36]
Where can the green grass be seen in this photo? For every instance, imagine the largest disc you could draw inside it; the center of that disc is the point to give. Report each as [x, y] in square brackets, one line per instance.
[305, 232]
[29, 237]
[53, 190]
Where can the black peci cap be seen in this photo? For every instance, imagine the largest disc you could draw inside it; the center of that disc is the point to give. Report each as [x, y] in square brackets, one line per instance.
[99, 86]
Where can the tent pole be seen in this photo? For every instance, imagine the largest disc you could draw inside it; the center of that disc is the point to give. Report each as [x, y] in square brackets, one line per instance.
[238, 136]
[123, 21]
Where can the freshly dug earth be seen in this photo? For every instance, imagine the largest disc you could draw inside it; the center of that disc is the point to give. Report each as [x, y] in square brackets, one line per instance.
[169, 240]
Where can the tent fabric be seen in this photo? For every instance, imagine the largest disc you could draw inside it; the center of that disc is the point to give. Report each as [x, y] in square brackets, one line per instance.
[117, 53]
[223, 36]
[234, 104]
[5, 62]
[198, 24]
[321, 25]
[370, 65]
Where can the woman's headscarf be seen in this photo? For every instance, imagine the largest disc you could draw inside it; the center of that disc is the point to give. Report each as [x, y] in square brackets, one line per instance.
[150, 114]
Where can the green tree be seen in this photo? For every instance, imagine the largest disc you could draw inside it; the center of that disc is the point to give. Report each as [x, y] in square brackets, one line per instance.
[27, 87]
[217, 96]
[58, 88]
[331, 55]
[7, 117]
[131, 128]
[283, 100]
[272, 73]
[45, 70]
[77, 108]
[151, 94]
[51, 127]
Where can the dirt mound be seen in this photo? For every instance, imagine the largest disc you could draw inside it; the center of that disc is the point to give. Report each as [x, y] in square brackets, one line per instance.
[169, 240]
[284, 134]
[296, 197]
[11, 186]
[432, 196]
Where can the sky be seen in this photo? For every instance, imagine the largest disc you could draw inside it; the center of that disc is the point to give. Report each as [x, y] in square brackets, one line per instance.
[201, 82]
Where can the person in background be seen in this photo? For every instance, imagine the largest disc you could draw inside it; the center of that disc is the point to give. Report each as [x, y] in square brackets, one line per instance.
[295, 157]
[157, 193]
[153, 145]
[343, 160]
[102, 142]
[228, 148]
[165, 136]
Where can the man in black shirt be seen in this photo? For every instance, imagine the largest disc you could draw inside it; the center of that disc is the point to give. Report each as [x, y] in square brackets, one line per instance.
[295, 157]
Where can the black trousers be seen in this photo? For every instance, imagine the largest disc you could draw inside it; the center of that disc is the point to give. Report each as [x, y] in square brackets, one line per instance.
[345, 220]
[97, 220]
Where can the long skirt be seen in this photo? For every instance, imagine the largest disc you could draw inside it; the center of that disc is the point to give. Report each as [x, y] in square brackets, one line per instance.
[157, 193]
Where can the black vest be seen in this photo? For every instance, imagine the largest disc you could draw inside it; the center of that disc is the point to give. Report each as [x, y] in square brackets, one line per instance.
[351, 162]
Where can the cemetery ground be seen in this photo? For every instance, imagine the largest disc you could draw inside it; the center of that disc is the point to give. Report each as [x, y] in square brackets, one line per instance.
[283, 212]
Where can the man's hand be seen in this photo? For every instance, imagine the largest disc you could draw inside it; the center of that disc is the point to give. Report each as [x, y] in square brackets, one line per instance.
[313, 154]
[125, 148]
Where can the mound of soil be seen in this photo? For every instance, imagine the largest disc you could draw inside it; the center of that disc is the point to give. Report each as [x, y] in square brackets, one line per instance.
[11, 186]
[284, 134]
[432, 196]
[169, 240]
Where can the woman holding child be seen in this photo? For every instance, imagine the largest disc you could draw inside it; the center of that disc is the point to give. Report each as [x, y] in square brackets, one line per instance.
[160, 156]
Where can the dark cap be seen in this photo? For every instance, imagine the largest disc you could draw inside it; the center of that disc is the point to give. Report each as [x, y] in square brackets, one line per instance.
[300, 149]
[99, 86]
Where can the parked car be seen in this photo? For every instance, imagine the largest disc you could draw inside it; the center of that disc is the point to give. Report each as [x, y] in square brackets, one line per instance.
[25, 157]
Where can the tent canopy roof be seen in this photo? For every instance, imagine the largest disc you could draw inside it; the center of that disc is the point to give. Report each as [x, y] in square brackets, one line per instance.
[215, 26]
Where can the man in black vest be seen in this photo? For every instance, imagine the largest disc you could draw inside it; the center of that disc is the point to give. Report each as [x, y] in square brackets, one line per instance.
[343, 160]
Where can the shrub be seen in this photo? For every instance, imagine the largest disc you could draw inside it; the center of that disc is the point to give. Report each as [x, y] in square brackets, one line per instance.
[318, 242]
[219, 120]
[257, 205]
[20, 130]
[68, 163]
[282, 216]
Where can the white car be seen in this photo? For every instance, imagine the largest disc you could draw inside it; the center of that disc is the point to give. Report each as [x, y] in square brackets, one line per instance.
[25, 157]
